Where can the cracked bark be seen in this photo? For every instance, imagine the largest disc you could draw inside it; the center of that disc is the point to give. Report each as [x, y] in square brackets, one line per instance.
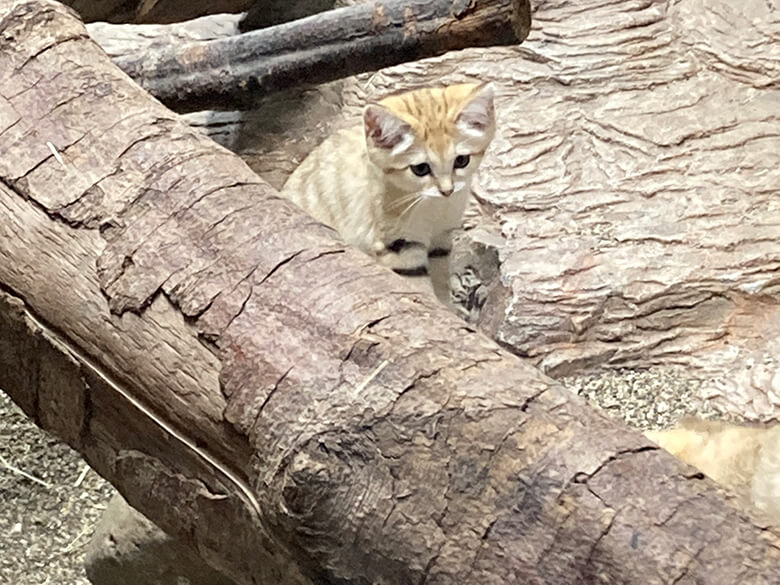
[263, 423]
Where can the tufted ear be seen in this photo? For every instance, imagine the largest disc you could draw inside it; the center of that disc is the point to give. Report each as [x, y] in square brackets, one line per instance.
[386, 130]
[477, 115]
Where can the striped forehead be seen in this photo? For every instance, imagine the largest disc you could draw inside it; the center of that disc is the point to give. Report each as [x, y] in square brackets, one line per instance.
[431, 113]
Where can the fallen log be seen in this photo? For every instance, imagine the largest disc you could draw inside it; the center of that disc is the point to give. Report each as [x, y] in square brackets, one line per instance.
[236, 72]
[272, 398]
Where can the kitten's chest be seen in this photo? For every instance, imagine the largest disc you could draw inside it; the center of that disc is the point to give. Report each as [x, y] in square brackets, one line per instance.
[433, 217]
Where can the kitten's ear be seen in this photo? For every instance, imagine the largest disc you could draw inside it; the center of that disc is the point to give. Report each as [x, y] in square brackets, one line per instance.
[477, 115]
[386, 130]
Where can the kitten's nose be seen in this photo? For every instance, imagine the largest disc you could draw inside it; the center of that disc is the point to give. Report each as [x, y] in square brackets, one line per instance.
[445, 189]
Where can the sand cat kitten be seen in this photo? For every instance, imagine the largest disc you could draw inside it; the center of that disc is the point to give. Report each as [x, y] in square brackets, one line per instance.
[397, 185]
[742, 458]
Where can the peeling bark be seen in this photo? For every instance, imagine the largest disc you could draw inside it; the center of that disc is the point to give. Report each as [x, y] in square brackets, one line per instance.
[277, 401]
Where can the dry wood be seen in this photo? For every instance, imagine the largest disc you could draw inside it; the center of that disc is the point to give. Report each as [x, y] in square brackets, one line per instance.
[277, 401]
[236, 72]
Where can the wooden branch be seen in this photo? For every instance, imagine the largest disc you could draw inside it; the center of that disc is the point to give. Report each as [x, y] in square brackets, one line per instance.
[274, 399]
[234, 73]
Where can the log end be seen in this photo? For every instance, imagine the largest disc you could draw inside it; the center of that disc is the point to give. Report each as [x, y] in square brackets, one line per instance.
[521, 19]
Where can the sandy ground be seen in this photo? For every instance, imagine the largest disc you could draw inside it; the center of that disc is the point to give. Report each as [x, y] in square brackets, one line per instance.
[46, 524]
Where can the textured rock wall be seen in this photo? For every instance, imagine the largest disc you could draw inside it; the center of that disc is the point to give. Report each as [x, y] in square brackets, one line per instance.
[632, 195]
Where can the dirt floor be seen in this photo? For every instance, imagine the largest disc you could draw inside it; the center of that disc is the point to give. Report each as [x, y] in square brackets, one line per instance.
[46, 522]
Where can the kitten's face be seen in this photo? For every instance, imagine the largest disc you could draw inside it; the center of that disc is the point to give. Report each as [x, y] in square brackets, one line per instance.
[430, 141]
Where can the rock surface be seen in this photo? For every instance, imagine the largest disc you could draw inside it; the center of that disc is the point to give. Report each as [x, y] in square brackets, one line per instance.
[632, 195]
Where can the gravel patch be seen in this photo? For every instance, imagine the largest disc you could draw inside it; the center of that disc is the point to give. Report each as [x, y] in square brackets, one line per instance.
[46, 522]
[655, 398]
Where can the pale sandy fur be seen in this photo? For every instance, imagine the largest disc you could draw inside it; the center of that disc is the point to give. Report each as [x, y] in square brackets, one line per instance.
[352, 199]
[745, 459]
[359, 181]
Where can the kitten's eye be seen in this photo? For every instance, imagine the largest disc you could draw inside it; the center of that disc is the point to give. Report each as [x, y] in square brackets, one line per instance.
[462, 161]
[421, 170]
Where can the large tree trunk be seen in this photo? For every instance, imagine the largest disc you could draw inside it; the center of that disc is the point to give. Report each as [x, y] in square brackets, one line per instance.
[276, 400]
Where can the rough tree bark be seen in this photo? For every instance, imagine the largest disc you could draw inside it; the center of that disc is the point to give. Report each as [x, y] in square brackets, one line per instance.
[276, 400]
[235, 72]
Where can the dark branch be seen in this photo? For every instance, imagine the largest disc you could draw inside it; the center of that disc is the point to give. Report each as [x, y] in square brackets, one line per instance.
[234, 72]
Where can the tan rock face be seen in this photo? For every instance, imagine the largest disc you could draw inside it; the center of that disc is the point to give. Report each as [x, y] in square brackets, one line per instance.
[636, 184]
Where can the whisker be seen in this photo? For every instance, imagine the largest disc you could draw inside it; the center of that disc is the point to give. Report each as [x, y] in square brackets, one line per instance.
[403, 201]
[411, 206]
